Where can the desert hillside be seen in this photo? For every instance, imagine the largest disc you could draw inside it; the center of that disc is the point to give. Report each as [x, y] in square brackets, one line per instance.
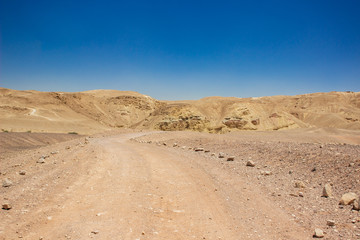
[99, 110]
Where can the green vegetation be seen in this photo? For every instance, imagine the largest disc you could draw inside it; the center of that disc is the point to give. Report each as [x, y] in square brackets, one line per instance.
[72, 133]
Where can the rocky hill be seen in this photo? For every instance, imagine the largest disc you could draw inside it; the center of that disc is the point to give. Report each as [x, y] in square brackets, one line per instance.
[100, 110]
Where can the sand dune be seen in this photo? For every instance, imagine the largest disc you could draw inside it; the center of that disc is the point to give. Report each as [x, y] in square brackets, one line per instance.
[99, 110]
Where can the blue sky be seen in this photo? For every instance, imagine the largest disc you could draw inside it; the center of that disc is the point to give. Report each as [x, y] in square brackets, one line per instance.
[181, 49]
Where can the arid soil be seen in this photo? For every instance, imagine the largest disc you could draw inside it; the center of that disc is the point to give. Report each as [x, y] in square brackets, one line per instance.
[101, 110]
[153, 185]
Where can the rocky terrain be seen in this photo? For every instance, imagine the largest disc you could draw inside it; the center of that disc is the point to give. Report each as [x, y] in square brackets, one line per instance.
[292, 184]
[99, 110]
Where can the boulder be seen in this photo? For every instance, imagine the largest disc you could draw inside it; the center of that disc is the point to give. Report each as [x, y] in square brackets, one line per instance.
[250, 163]
[356, 205]
[348, 198]
[327, 191]
[231, 158]
[6, 206]
[318, 233]
[300, 184]
[41, 160]
[7, 182]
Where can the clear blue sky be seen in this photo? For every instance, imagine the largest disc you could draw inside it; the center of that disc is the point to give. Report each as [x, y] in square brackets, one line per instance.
[181, 49]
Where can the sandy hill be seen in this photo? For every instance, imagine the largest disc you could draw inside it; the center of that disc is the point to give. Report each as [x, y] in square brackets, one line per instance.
[100, 110]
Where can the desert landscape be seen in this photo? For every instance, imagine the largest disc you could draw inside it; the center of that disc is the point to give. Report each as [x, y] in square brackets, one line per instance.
[108, 164]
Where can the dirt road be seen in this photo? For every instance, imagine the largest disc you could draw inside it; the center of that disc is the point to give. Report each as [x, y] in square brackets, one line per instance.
[113, 188]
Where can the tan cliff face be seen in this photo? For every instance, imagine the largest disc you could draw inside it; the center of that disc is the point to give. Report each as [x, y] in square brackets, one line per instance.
[100, 110]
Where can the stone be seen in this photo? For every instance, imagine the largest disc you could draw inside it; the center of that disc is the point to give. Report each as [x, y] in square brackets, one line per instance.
[250, 163]
[318, 233]
[22, 172]
[356, 205]
[266, 173]
[213, 154]
[301, 194]
[198, 149]
[327, 191]
[175, 145]
[348, 198]
[330, 223]
[6, 206]
[95, 232]
[7, 182]
[231, 158]
[221, 155]
[41, 160]
[300, 184]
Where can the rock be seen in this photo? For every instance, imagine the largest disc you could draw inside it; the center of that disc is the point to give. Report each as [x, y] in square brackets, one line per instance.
[95, 232]
[301, 194]
[67, 147]
[7, 182]
[22, 172]
[55, 152]
[164, 144]
[6, 206]
[221, 155]
[198, 149]
[41, 160]
[356, 205]
[327, 191]
[213, 154]
[300, 184]
[330, 223]
[318, 233]
[175, 145]
[266, 173]
[207, 151]
[348, 198]
[231, 158]
[250, 163]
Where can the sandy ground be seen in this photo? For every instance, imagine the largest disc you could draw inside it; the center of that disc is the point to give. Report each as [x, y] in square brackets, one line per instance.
[132, 186]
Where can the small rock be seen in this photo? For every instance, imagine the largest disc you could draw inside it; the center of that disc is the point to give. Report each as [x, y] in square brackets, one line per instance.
[250, 163]
[7, 182]
[164, 144]
[300, 184]
[67, 147]
[207, 150]
[356, 205]
[318, 233]
[327, 191]
[6, 206]
[266, 173]
[348, 198]
[95, 232]
[231, 158]
[55, 152]
[22, 172]
[41, 160]
[330, 223]
[213, 154]
[221, 155]
[175, 145]
[198, 149]
[301, 194]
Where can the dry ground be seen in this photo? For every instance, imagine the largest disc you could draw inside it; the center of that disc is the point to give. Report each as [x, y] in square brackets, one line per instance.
[131, 186]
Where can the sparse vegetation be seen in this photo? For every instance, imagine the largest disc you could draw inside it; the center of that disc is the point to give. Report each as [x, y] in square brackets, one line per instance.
[73, 133]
